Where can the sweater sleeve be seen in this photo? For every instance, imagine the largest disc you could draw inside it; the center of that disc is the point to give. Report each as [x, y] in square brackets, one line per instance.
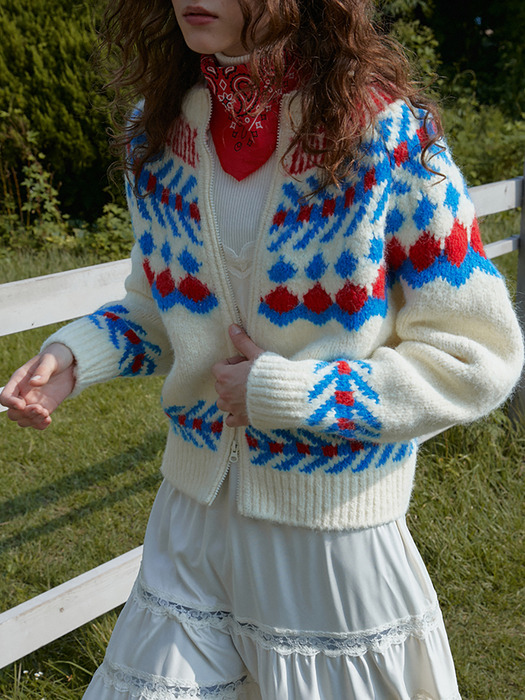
[456, 351]
[121, 338]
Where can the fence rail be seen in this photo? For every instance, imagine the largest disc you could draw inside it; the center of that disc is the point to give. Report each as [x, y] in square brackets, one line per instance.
[63, 296]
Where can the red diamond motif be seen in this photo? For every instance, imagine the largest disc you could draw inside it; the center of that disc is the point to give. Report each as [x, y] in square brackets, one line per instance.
[328, 207]
[330, 450]
[150, 275]
[281, 300]
[279, 218]
[317, 300]
[345, 398]
[345, 424]
[351, 297]
[165, 283]
[137, 363]
[349, 197]
[475, 239]
[424, 251]
[395, 254]
[194, 212]
[304, 213]
[193, 289]
[456, 245]
[152, 183]
[378, 288]
[132, 337]
[370, 179]
[423, 137]
[302, 449]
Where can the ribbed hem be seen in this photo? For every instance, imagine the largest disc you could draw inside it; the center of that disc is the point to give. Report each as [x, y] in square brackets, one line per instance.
[319, 501]
[327, 501]
[197, 472]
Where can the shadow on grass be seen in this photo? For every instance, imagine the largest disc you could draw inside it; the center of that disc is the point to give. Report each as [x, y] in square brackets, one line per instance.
[82, 480]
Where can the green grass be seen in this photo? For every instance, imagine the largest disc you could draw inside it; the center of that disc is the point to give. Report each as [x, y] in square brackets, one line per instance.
[79, 494]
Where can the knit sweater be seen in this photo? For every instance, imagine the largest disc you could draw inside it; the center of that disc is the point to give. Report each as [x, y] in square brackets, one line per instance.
[381, 318]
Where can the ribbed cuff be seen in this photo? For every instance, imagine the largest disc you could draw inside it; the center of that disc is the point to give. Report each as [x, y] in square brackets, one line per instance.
[95, 359]
[277, 392]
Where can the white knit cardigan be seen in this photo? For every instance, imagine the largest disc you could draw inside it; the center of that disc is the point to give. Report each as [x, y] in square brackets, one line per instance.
[382, 319]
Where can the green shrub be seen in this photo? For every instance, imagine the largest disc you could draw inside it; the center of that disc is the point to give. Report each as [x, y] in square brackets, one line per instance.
[31, 216]
[487, 144]
[46, 74]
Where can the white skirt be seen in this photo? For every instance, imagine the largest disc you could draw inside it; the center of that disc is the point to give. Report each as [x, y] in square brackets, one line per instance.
[227, 607]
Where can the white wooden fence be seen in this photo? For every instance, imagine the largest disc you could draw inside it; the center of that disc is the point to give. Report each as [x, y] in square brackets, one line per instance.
[68, 295]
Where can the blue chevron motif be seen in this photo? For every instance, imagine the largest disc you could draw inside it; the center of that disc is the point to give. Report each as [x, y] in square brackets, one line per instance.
[139, 356]
[169, 199]
[343, 401]
[307, 452]
[171, 204]
[323, 217]
[201, 424]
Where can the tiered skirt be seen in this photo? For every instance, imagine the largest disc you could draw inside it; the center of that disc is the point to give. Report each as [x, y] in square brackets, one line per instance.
[227, 607]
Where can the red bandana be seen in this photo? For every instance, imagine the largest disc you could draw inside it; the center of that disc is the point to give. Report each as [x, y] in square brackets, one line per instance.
[244, 132]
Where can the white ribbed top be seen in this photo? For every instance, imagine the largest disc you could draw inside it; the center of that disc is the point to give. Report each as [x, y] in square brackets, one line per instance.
[238, 205]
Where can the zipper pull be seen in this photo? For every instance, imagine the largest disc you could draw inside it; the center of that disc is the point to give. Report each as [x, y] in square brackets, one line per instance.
[234, 452]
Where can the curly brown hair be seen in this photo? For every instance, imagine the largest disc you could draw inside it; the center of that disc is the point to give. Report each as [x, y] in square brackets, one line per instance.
[346, 59]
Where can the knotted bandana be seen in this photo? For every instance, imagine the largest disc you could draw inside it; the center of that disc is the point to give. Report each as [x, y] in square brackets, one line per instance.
[243, 124]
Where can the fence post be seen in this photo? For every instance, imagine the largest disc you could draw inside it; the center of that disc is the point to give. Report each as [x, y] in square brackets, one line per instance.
[517, 407]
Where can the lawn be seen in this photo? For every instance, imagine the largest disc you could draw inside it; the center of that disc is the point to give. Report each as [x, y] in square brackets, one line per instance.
[79, 494]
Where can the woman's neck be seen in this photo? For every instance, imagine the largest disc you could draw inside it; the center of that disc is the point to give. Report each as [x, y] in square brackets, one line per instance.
[224, 60]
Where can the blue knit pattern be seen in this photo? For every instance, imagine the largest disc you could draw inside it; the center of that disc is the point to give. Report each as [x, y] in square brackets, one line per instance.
[342, 402]
[305, 226]
[420, 205]
[173, 259]
[201, 424]
[138, 355]
[392, 195]
[306, 452]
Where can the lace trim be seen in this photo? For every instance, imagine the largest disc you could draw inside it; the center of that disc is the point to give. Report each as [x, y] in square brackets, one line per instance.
[285, 642]
[149, 687]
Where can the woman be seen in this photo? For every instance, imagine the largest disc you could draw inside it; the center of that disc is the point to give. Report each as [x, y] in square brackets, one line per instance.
[308, 273]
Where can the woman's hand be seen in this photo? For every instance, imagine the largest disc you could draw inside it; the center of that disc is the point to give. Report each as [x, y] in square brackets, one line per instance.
[232, 376]
[37, 388]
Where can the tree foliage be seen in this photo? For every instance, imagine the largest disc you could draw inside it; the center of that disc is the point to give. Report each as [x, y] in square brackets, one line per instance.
[484, 38]
[46, 75]
[475, 54]
[54, 117]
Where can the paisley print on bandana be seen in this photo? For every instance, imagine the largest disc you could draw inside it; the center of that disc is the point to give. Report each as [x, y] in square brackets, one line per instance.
[243, 124]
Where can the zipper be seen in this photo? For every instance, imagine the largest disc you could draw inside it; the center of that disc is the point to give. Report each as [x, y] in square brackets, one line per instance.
[237, 313]
[233, 455]
[233, 458]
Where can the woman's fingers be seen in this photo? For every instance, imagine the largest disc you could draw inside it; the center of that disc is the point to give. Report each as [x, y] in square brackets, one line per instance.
[33, 416]
[12, 394]
[38, 387]
[43, 370]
